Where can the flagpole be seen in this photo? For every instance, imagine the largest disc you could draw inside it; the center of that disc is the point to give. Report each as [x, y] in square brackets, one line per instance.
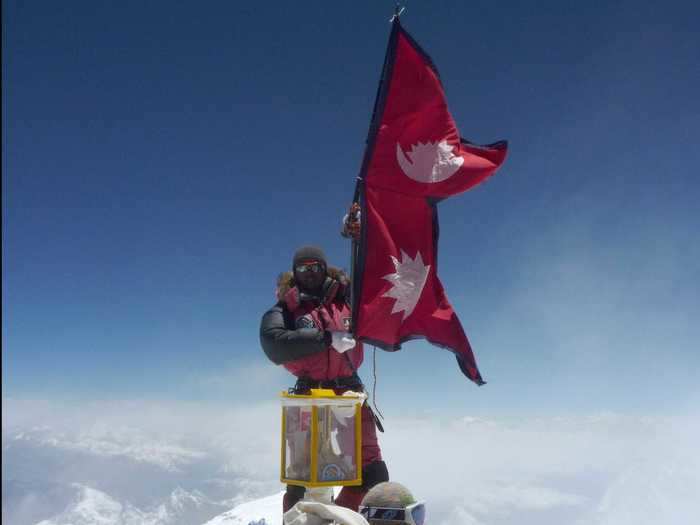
[398, 9]
[358, 196]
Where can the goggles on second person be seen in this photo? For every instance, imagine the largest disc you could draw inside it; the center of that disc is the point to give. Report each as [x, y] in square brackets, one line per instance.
[411, 515]
[309, 267]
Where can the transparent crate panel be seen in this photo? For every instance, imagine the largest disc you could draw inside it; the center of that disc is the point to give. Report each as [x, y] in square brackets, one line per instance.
[297, 442]
[337, 459]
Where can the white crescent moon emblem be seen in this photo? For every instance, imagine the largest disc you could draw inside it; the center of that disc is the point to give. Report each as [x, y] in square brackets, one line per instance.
[430, 162]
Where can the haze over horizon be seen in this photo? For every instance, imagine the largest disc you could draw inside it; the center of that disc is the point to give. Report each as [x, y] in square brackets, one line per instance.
[178, 463]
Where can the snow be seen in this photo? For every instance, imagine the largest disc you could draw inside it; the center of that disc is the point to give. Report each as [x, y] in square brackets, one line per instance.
[601, 469]
[265, 511]
[92, 508]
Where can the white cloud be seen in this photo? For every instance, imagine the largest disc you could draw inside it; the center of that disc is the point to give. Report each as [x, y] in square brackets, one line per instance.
[599, 470]
[558, 469]
[459, 516]
[238, 438]
[121, 442]
[238, 381]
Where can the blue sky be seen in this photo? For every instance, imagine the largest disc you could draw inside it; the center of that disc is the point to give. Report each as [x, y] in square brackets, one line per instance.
[162, 161]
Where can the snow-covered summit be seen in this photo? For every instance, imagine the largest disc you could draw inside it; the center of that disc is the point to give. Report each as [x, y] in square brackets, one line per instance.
[94, 507]
[264, 511]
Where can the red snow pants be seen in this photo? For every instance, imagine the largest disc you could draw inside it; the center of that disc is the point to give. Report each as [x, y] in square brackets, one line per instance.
[350, 497]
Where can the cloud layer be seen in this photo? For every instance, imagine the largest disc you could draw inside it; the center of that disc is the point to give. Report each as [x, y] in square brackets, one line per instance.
[601, 469]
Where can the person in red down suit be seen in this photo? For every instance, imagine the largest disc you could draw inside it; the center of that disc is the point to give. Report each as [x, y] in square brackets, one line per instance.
[307, 332]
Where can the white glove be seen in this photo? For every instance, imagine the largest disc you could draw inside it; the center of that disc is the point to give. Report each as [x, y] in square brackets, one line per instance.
[342, 341]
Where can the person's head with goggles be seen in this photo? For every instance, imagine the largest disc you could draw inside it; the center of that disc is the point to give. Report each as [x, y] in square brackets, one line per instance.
[391, 503]
[309, 267]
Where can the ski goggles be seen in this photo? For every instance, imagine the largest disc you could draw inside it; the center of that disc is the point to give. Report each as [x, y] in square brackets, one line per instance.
[309, 267]
[411, 515]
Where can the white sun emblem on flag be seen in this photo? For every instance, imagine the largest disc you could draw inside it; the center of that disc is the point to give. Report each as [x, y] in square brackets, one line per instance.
[408, 282]
[430, 162]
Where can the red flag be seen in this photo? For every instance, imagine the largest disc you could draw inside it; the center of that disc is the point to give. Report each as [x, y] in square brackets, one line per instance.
[414, 158]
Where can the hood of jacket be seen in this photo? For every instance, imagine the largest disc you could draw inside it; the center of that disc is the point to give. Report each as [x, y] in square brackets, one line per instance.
[285, 282]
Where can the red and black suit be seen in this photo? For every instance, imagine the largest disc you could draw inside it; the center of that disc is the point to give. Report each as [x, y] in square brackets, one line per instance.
[296, 333]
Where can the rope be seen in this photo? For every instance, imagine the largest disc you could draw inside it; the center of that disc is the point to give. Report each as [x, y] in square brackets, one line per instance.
[374, 384]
